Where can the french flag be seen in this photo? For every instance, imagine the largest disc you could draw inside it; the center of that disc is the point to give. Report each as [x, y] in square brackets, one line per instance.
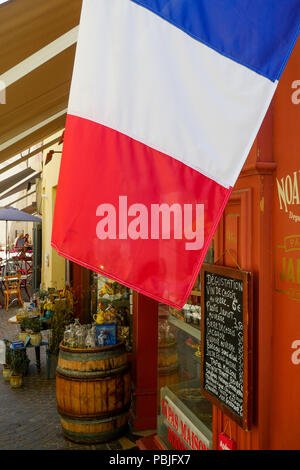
[166, 100]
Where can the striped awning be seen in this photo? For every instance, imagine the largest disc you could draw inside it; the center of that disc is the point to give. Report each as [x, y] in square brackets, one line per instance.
[16, 184]
[15, 179]
[38, 40]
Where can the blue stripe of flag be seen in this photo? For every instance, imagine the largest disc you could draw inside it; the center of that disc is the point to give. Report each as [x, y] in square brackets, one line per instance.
[259, 34]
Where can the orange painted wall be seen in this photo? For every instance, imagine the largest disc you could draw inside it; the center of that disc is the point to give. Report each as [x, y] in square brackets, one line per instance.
[245, 229]
[254, 228]
[285, 397]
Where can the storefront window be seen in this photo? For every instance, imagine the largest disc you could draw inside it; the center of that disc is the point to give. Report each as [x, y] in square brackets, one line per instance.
[184, 414]
[114, 297]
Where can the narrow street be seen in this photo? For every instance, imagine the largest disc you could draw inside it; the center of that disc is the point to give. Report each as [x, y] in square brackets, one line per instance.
[28, 416]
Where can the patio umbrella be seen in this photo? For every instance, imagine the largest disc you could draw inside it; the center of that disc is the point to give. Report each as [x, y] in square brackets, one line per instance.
[12, 214]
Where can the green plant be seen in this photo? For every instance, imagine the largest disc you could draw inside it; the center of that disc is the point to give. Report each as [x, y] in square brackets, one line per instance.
[24, 324]
[62, 316]
[19, 362]
[35, 325]
[32, 324]
[26, 362]
[7, 352]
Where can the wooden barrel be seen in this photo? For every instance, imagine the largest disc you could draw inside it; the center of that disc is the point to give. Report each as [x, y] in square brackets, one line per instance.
[167, 354]
[93, 391]
[168, 375]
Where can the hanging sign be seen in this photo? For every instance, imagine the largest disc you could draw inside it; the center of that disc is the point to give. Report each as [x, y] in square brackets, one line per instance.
[225, 443]
[226, 367]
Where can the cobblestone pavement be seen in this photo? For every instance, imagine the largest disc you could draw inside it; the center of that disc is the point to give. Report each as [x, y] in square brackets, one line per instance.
[28, 416]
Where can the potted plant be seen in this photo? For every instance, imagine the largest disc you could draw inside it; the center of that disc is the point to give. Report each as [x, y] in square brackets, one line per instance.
[62, 316]
[35, 335]
[32, 327]
[19, 363]
[24, 325]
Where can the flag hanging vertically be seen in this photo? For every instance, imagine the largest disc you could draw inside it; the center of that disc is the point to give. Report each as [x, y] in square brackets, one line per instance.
[166, 100]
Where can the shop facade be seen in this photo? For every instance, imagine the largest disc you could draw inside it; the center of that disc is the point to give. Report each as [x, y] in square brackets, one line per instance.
[258, 233]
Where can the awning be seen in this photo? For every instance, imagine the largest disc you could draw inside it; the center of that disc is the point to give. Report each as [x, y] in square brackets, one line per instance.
[38, 40]
[16, 178]
[30, 209]
[18, 182]
[11, 203]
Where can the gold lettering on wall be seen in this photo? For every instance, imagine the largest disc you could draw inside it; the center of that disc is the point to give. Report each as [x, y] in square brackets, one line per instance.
[288, 191]
[287, 267]
[231, 237]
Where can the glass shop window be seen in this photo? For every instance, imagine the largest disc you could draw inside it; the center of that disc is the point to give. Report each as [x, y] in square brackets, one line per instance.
[184, 414]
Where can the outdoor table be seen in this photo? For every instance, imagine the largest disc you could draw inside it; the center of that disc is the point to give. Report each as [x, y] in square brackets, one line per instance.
[13, 321]
[38, 354]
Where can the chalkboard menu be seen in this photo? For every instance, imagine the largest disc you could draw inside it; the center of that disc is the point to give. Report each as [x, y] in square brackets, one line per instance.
[226, 340]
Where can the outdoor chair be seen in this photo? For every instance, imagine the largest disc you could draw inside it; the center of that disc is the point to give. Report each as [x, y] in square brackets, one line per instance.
[12, 287]
[26, 281]
[27, 270]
